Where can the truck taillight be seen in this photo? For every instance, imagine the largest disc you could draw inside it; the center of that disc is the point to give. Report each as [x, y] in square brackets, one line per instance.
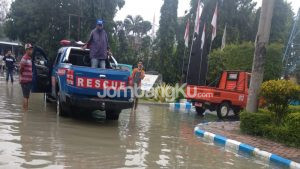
[61, 71]
[70, 76]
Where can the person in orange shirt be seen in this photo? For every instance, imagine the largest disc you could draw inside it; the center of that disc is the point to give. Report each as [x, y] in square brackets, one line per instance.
[138, 75]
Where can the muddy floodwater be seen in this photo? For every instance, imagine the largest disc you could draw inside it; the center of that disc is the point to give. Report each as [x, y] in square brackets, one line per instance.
[154, 137]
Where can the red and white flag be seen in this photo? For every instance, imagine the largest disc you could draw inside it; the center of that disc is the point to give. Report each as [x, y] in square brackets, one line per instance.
[203, 36]
[214, 23]
[198, 17]
[187, 33]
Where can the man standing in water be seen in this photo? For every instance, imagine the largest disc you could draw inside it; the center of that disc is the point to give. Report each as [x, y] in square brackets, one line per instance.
[1, 62]
[138, 75]
[26, 74]
[10, 66]
[98, 45]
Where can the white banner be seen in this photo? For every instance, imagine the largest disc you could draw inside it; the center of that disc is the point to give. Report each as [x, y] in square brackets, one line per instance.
[148, 82]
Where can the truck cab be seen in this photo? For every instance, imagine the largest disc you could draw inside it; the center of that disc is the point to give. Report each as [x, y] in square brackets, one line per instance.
[73, 84]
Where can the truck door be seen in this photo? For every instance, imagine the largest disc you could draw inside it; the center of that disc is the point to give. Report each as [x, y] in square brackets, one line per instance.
[41, 71]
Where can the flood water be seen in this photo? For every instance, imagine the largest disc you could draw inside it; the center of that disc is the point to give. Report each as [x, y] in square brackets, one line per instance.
[154, 137]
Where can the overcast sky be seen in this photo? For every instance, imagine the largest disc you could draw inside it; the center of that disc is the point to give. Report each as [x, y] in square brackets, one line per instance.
[147, 8]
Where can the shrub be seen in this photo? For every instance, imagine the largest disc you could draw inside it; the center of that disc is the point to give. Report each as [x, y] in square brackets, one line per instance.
[260, 124]
[294, 109]
[278, 94]
[180, 96]
[162, 93]
[288, 133]
[293, 122]
[254, 123]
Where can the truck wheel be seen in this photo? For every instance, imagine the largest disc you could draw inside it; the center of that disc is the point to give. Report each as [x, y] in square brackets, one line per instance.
[200, 111]
[61, 109]
[236, 112]
[223, 110]
[112, 114]
[46, 98]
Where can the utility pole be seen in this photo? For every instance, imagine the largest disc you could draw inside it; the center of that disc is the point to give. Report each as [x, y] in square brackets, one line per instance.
[262, 40]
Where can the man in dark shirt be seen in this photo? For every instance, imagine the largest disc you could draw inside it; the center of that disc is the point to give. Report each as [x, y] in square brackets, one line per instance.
[98, 45]
[10, 65]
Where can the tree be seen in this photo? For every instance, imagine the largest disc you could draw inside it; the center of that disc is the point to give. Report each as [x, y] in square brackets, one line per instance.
[238, 15]
[282, 21]
[297, 72]
[132, 24]
[133, 43]
[136, 26]
[166, 41]
[242, 19]
[4, 4]
[240, 57]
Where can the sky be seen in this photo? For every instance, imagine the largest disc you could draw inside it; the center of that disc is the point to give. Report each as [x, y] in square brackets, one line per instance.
[148, 8]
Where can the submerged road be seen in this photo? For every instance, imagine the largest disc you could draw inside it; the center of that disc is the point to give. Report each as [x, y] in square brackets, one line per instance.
[154, 137]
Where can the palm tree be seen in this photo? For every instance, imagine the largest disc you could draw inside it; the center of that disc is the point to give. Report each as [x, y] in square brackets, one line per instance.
[133, 24]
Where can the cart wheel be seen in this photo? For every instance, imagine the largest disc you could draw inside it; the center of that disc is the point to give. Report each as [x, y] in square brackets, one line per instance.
[200, 111]
[223, 110]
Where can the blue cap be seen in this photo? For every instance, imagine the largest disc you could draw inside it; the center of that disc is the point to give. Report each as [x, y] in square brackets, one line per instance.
[99, 22]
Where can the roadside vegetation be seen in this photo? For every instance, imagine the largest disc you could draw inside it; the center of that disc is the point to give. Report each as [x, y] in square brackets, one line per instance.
[277, 121]
[240, 57]
[164, 93]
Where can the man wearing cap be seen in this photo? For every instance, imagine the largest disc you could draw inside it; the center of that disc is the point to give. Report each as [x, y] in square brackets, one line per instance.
[98, 45]
[26, 74]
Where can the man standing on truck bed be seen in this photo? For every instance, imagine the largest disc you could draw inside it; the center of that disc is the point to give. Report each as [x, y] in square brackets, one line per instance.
[98, 45]
[26, 74]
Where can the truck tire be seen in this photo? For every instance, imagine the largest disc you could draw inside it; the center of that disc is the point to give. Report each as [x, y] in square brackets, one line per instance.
[46, 98]
[61, 109]
[200, 111]
[223, 110]
[237, 111]
[112, 114]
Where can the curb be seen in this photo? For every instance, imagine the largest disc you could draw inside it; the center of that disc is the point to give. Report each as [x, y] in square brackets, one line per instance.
[245, 148]
[181, 106]
[155, 104]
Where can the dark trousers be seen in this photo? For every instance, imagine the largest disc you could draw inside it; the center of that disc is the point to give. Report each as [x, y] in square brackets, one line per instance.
[9, 72]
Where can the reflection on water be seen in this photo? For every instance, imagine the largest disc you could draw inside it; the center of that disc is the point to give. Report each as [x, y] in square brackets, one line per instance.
[154, 137]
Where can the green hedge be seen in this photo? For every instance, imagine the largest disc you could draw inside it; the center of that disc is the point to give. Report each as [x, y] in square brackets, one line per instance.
[261, 124]
[254, 123]
[294, 109]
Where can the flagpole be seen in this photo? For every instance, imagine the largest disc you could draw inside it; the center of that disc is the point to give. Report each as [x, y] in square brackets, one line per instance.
[182, 70]
[196, 30]
[187, 74]
[210, 46]
[200, 65]
[208, 60]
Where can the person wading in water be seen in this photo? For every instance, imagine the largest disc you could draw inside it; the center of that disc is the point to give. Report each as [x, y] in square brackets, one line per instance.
[138, 75]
